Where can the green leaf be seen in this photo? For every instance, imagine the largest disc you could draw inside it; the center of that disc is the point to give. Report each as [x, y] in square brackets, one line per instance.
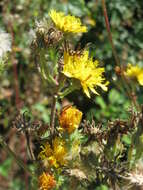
[126, 139]
[114, 96]
[100, 102]
[5, 167]
[102, 187]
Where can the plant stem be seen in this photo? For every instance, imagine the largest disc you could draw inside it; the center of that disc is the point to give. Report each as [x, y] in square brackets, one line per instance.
[53, 112]
[18, 160]
[123, 77]
[109, 32]
[29, 146]
[14, 64]
[61, 79]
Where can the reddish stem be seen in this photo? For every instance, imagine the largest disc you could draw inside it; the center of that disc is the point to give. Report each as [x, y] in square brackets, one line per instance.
[123, 77]
[16, 85]
[109, 32]
[14, 64]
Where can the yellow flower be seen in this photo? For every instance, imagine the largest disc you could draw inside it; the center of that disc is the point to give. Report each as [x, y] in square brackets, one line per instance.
[84, 69]
[52, 161]
[70, 119]
[46, 181]
[55, 154]
[46, 151]
[59, 151]
[67, 23]
[135, 72]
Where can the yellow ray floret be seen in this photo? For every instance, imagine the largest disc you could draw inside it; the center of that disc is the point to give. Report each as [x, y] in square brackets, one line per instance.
[135, 72]
[54, 154]
[46, 181]
[67, 23]
[84, 69]
[70, 119]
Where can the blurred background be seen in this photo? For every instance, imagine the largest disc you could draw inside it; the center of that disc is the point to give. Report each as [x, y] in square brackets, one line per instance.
[22, 88]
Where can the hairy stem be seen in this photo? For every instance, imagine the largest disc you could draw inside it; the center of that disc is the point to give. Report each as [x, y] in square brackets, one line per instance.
[10, 28]
[61, 79]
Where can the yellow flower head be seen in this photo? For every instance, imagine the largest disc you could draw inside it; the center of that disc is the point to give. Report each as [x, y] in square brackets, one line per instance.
[46, 151]
[70, 119]
[67, 23]
[60, 150]
[135, 72]
[46, 181]
[55, 154]
[84, 69]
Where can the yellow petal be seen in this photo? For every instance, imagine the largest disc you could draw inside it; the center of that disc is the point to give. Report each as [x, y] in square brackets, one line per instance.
[67, 23]
[94, 91]
[140, 79]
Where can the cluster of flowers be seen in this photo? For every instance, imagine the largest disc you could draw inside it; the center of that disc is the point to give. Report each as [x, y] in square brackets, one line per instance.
[86, 71]
[82, 70]
[55, 154]
[79, 67]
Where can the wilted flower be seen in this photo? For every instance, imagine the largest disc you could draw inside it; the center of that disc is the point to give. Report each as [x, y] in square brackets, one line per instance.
[84, 69]
[31, 36]
[5, 43]
[70, 119]
[67, 23]
[46, 181]
[55, 154]
[135, 178]
[42, 26]
[135, 72]
[77, 173]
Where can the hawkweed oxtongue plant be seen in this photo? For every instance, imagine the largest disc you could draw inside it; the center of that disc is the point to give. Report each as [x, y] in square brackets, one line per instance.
[73, 152]
[81, 154]
[59, 64]
[64, 70]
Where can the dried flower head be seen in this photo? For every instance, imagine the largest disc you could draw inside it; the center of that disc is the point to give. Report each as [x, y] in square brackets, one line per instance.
[55, 154]
[84, 69]
[5, 43]
[135, 178]
[135, 72]
[46, 181]
[77, 173]
[67, 23]
[46, 35]
[70, 119]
